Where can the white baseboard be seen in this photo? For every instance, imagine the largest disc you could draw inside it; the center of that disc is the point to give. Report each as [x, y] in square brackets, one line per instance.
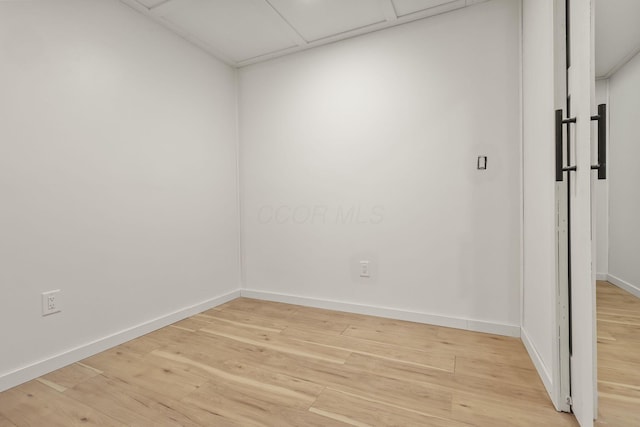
[632, 289]
[543, 372]
[35, 370]
[391, 313]
[602, 276]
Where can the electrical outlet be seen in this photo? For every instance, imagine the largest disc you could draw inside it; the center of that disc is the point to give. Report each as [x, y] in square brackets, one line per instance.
[482, 163]
[50, 302]
[364, 269]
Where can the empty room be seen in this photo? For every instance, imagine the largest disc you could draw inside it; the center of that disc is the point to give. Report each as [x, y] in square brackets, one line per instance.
[319, 213]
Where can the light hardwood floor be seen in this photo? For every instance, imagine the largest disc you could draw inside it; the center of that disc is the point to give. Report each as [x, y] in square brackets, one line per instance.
[256, 363]
[618, 357]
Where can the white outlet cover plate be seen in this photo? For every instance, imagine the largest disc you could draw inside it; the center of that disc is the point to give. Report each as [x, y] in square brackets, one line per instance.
[55, 303]
[364, 269]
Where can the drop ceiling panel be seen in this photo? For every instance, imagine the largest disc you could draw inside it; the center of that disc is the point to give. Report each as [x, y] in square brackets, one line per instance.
[406, 7]
[239, 29]
[243, 32]
[318, 19]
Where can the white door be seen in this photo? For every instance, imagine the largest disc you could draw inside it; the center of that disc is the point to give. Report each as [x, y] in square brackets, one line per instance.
[562, 399]
[582, 287]
[576, 287]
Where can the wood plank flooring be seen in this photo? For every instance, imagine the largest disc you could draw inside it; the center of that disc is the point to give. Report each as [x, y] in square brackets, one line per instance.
[618, 357]
[257, 363]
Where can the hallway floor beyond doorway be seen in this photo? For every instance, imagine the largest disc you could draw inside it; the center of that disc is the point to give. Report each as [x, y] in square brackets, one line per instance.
[618, 357]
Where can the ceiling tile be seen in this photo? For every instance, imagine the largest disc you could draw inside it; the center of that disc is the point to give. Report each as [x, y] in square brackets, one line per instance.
[239, 29]
[406, 7]
[318, 19]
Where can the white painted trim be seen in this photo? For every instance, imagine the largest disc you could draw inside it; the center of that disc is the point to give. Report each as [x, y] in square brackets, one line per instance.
[42, 367]
[622, 284]
[602, 276]
[391, 313]
[543, 372]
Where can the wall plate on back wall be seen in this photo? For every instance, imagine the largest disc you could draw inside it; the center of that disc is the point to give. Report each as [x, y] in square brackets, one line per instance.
[50, 303]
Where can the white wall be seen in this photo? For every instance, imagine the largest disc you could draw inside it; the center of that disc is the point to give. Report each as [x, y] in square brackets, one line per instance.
[117, 179]
[602, 197]
[624, 176]
[539, 246]
[387, 127]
